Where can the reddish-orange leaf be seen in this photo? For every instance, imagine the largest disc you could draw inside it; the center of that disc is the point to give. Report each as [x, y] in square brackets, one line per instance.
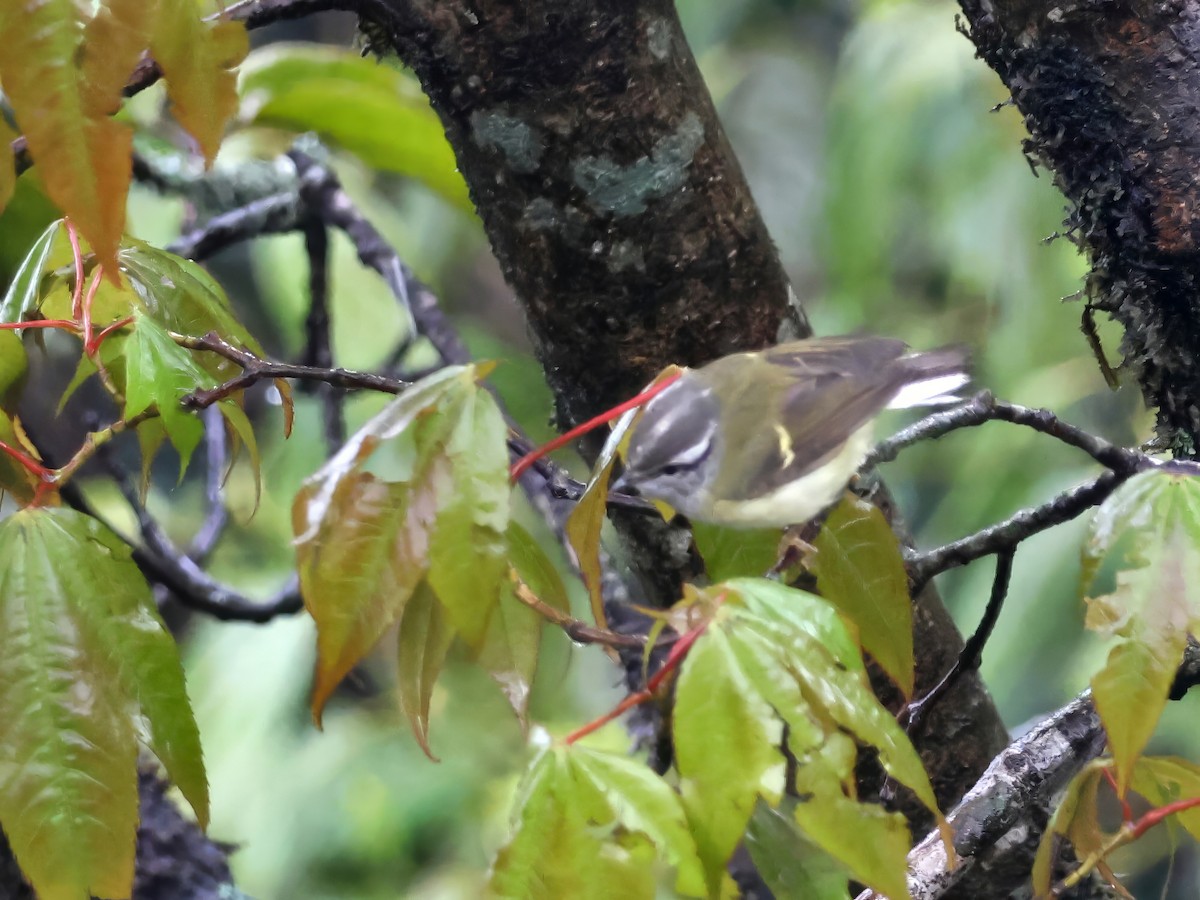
[198, 60]
[64, 84]
[359, 570]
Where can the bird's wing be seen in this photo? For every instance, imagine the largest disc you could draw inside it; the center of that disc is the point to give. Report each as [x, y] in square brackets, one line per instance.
[830, 388]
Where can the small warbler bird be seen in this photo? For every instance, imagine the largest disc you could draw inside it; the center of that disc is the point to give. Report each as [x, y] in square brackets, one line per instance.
[772, 438]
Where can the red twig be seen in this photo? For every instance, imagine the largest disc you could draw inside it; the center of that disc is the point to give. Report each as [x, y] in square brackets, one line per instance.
[99, 339]
[670, 664]
[1154, 816]
[93, 286]
[1126, 809]
[27, 461]
[40, 323]
[519, 467]
[77, 254]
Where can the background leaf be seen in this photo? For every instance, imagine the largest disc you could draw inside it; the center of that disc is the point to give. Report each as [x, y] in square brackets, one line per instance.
[860, 570]
[84, 630]
[342, 96]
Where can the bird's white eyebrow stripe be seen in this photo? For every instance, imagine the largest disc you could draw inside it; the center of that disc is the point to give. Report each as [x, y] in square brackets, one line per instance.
[695, 453]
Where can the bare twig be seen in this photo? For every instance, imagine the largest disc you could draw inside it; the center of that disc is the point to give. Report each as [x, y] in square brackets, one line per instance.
[972, 652]
[1009, 533]
[216, 457]
[276, 214]
[576, 630]
[161, 561]
[318, 348]
[255, 369]
[983, 407]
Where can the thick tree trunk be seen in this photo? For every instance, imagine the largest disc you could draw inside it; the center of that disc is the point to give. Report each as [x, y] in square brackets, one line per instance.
[622, 220]
[1110, 94]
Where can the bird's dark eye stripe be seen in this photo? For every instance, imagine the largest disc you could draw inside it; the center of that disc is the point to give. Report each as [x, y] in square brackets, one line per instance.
[674, 468]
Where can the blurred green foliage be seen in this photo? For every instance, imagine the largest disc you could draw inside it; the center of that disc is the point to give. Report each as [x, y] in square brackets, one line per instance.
[901, 203]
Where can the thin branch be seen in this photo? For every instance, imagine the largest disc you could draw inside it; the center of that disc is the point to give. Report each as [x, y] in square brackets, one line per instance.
[255, 369]
[1007, 534]
[983, 407]
[216, 457]
[1021, 779]
[162, 561]
[575, 629]
[972, 652]
[318, 348]
[276, 214]
[321, 191]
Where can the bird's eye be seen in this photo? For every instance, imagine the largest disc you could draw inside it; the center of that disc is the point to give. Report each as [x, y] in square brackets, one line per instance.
[671, 470]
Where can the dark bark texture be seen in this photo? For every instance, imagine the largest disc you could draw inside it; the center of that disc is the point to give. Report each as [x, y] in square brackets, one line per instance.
[1110, 93]
[608, 189]
[622, 221]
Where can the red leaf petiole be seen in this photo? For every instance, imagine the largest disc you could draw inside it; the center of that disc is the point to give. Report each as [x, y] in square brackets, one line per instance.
[678, 651]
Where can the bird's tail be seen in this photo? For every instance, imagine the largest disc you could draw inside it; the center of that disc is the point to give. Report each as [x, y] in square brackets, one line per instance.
[933, 378]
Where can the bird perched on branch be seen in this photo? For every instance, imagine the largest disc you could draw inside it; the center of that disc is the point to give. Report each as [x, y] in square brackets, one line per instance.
[773, 438]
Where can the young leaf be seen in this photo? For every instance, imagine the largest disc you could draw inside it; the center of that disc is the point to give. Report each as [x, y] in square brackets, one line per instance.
[642, 802]
[358, 572]
[65, 83]
[1074, 819]
[160, 373]
[198, 59]
[734, 552]
[774, 657]
[424, 637]
[87, 629]
[586, 829]
[14, 368]
[727, 741]
[868, 839]
[860, 570]
[793, 867]
[364, 545]
[510, 647]
[1167, 779]
[1151, 527]
[24, 291]
[587, 518]
[341, 95]
[15, 478]
[468, 555]
[181, 297]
